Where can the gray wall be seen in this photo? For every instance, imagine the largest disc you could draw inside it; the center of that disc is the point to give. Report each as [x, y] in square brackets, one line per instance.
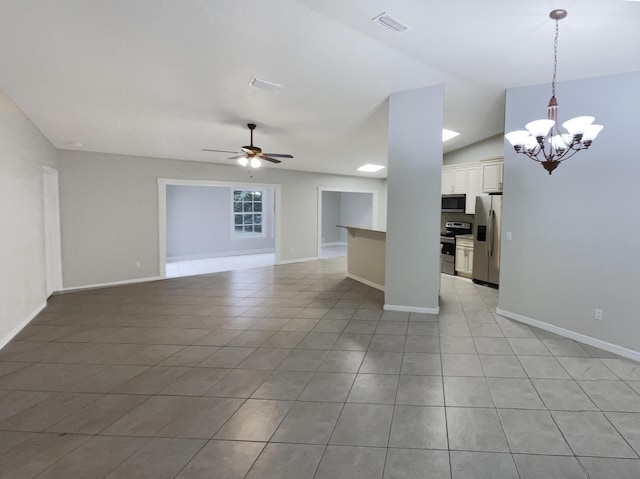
[344, 208]
[330, 218]
[412, 279]
[356, 209]
[23, 278]
[110, 210]
[199, 223]
[576, 232]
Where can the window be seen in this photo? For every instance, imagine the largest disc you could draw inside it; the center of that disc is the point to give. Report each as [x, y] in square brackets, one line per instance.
[247, 214]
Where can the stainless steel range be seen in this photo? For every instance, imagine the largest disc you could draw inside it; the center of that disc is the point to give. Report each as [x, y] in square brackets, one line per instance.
[448, 242]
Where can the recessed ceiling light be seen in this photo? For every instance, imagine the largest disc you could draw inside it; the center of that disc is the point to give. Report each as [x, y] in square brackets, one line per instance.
[448, 134]
[264, 84]
[371, 168]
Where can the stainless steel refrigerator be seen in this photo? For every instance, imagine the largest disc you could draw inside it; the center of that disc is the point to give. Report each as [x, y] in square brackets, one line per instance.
[486, 244]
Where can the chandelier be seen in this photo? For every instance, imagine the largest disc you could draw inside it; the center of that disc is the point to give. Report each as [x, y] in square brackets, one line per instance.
[542, 141]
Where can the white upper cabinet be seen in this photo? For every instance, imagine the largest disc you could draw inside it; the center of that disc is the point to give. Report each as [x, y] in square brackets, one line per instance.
[474, 187]
[492, 176]
[465, 179]
[454, 180]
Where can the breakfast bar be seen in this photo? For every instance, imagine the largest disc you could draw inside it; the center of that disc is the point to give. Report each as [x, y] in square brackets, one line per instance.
[366, 255]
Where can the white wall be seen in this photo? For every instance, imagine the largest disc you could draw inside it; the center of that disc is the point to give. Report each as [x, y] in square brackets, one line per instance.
[23, 277]
[412, 275]
[576, 233]
[481, 150]
[110, 210]
[331, 217]
[200, 223]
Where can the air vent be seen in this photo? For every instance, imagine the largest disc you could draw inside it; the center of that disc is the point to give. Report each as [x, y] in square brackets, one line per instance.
[391, 23]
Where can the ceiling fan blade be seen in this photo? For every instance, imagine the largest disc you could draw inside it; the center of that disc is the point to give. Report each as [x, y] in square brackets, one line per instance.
[278, 155]
[219, 151]
[262, 156]
[237, 157]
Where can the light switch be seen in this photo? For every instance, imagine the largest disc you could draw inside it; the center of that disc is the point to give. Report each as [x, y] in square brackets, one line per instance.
[508, 235]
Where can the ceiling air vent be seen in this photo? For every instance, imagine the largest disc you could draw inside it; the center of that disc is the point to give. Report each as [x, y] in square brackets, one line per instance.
[391, 23]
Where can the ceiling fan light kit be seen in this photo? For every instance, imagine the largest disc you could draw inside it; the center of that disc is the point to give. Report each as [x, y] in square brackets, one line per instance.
[252, 155]
[542, 141]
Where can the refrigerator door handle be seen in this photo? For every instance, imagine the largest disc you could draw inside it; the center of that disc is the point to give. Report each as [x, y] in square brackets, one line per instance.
[490, 232]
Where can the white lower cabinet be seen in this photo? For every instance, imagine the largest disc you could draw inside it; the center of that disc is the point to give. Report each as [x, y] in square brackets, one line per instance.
[464, 257]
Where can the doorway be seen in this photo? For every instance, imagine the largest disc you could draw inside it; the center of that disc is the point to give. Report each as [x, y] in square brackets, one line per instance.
[212, 226]
[52, 247]
[346, 208]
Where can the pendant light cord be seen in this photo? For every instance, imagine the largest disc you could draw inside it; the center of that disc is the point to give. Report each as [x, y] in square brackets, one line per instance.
[555, 61]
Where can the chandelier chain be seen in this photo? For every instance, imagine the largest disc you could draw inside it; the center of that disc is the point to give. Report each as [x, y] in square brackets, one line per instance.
[555, 61]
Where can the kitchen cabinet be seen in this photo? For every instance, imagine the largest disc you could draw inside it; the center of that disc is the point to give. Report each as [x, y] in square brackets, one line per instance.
[463, 179]
[492, 176]
[464, 256]
[454, 180]
[474, 188]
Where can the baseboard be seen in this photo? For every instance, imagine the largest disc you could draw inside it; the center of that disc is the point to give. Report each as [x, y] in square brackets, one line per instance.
[225, 254]
[300, 260]
[365, 281]
[114, 283]
[581, 338]
[335, 243]
[14, 332]
[411, 309]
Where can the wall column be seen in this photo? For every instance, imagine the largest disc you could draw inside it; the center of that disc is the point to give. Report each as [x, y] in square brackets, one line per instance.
[412, 279]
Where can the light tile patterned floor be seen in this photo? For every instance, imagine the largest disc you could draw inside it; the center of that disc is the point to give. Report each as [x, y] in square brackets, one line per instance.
[177, 269]
[296, 372]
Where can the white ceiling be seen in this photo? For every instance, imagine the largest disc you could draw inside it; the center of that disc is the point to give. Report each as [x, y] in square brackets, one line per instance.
[165, 78]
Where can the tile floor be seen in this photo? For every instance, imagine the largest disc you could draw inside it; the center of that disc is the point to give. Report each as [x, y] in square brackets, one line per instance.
[296, 372]
[177, 269]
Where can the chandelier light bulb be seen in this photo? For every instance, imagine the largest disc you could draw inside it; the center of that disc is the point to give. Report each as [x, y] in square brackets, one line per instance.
[540, 128]
[542, 141]
[591, 133]
[578, 125]
[243, 161]
[255, 163]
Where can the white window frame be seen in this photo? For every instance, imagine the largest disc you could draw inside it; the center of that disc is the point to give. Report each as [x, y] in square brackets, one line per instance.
[263, 233]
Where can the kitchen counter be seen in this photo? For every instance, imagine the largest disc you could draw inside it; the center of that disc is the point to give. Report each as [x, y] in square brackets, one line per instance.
[366, 255]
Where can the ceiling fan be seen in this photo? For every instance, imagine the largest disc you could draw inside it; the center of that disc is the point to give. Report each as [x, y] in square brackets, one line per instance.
[251, 154]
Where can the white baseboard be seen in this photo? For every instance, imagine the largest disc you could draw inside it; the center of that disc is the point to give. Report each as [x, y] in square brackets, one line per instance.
[411, 309]
[224, 254]
[114, 283]
[365, 281]
[335, 243]
[299, 260]
[581, 338]
[14, 332]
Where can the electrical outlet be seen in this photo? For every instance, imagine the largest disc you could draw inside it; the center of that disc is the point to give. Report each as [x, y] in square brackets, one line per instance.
[508, 235]
[137, 264]
[598, 314]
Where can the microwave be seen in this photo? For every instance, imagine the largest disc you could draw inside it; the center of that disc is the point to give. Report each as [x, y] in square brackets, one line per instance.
[454, 203]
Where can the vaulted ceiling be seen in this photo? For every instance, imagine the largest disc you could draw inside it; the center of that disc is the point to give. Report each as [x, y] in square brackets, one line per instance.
[166, 78]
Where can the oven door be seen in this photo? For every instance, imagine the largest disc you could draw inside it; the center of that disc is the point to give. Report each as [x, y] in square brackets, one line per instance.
[447, 255]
